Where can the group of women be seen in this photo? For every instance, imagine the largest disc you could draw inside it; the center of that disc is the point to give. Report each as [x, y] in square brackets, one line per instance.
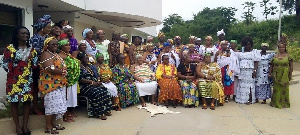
[117, 74]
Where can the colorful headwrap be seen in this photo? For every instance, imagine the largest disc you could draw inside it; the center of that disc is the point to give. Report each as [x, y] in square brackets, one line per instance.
[192, 37]
[170, 41]
[42, 22]
[161, 34]
[264, 44]
[198, 39]
[167, 44]
[62, 42]
[220, 32]
[233, 41]
[177, 37]
[223, 42]
[66, 28]
[191, 45]
[149, 44]
[124, 36]
[85, 31]
[207, 54]
[149, 37]
[208, 37]
[46, 42]
[97, 55]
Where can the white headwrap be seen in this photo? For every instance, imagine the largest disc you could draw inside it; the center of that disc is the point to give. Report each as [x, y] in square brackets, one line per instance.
[198, 39]
[86, 31]
[220, 32]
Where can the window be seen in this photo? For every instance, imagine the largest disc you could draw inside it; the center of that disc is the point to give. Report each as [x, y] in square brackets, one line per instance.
[10, 17]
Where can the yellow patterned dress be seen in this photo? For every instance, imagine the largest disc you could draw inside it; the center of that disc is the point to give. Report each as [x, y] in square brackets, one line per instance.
[211, 89]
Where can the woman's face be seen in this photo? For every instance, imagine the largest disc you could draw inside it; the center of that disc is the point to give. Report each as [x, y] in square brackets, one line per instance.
[167, 48]
[121, 59]
[100, 35]
[82, 47]
[66, 48]
[137, 41]
[140, 60]
[46, 30]
[224, 46]
[89, 35]
[233, 45]
[247, 46]
[192, 49]
[281, 48]
[23, 35]
[221, 37]
[100, 59]
[207, 59]
[161, 38]
[264, 48]
[208, 41]
[166, 59]
[187, 59]
[69, 33]
[56, 31]
[52, 45]
[85, 60]
[150, 48]
[192, 40]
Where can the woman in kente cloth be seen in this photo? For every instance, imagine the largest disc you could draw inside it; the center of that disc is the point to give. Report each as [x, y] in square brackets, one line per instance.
[90, 44]
[210, 81]
[159, 46]
[73, 68]
[187, 77]
[208, 47]
[135, 49]
[166, 75]
[124, 82]
[91, 87]
[19, 60]
[281, 72]
[125, 39]
[106, 77]
[149, 57]
[114, 49]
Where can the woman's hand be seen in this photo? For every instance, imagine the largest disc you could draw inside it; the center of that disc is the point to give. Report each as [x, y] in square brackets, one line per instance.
[210, 77]
[140, 80]
[64, 73]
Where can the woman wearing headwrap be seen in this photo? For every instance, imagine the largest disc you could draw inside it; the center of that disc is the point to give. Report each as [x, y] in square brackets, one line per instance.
[281, 72]
[195, 58]
[178, 46]
[233, 54]
[114, 49]
[81, 48]
[124, 81]
[106, 77]
[90, 43]
[227, 64]
[102, 45]
[192, 39]
[144, 79]
[248, 63]
[125, 39]
[169, 88]
[91, 87]
[262, 85]
[55, 32]
[52, 84]
[221, 36]
[187, 77]
[68, 30]
[136, 49]
[43, 27]
[198, 42]
[19, 60]
[173, 57]
[159, 46]
[208, 48]
[210, 81]
[73, 69]
[149, 57]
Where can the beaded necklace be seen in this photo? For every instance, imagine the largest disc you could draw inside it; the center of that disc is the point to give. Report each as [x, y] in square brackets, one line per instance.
[88, 69]
[172, 69]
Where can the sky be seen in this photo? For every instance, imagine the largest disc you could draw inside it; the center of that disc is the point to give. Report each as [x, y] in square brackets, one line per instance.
[186, 8]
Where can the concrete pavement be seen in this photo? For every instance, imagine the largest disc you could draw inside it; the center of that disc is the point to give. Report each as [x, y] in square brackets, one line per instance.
[231, 119]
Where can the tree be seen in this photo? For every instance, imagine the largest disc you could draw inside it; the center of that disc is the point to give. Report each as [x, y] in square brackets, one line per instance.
[170, 21]
[292, 5]
[268, 10]
[248, 15]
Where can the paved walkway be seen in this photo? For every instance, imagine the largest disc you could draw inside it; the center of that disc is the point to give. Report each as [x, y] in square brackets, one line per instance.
[231, 119]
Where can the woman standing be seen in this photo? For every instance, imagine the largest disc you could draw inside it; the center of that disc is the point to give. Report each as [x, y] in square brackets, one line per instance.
[18, 61]
[135, 49]
[105, 77]
[91, 87]
[114, 49]
[81, 48]
[210, 82]
[52, 85]
[125, 39]
[124, 81]
[248, 61]
[195, 58]
[187, 76]
[262, 85]
[169, 88]
[208, 48]
[281, 71]
[150, 57]
[43, 27]
[68, 30]
[145, 80]
[73, 68]
[102, 45]
[90, 43]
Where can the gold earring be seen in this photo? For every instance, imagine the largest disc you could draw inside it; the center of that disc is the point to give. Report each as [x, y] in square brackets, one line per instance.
[42, 29]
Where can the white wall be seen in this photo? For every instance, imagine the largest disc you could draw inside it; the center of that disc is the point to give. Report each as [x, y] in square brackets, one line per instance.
[26, 5]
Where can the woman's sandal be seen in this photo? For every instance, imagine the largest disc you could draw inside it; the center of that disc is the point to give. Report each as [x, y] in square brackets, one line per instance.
[69, 118]
[51, 131]
[144, 105]
[204, 106]
[108, 114]
[212, 106]
[263, 102]
[59, 127]
[248, 103]
[103, 117]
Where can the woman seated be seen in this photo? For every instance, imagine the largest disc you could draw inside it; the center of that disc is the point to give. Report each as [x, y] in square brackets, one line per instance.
[105, 77]
[210, 83]
[145, 79]
[91, 87]
[187, 76]
[167, 81]
[124, 82]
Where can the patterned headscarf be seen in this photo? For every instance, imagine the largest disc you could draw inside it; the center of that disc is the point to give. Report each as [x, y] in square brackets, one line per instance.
[190, 45]
[97, 55]
[208, 37]
[198, 39]
[62, 42]
[207, 54]
[167, 44]
[149, 44]
[85, 31]
[46, 43]
[161, 34]
[220, 32]
[170, 41]
[233, 41]
[66, 28]
[124, 36]
[177, 37]
[223, 42]
[42, 22]
[264, 44]
[192, 37]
